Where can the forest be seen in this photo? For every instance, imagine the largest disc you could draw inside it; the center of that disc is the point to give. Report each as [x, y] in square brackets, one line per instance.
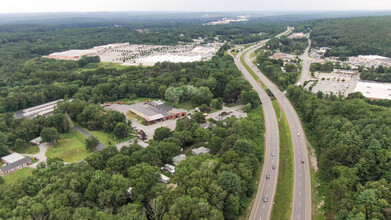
[379, 74]
[352, 142]
[211, 186]
[272, 68]
[288, 45]
[353, 36]
[28, 79]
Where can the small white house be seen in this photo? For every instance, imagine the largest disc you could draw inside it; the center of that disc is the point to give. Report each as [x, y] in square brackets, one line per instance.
[170, 168]
[200, 150]
[178, 158]
[36, 141]
[164, 178]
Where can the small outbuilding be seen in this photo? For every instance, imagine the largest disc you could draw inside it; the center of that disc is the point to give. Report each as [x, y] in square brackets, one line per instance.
[170, 168]
[200, 150]
[178, 158]
[36, 141]
[164, 178]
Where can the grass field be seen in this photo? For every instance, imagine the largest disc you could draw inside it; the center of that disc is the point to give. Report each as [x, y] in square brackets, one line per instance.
[13, 177]
[70, 148]
[28, 149]
[283, 199]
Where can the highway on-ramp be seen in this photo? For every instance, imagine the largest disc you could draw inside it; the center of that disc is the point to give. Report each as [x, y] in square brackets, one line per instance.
[301, 206]
[266, 189]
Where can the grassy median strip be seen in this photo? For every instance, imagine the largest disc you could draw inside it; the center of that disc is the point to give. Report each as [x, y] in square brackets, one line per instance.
[251, 71]
[282, 208]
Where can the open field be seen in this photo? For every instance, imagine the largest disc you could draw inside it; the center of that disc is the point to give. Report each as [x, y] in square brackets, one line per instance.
[282, 208]
[28, 149]
[70, 148]
[15, 176]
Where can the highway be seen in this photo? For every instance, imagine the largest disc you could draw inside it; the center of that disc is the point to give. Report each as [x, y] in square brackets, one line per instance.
[266, 188]
[301, 206]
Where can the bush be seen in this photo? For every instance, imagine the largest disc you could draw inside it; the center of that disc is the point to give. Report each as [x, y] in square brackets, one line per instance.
[91, 142]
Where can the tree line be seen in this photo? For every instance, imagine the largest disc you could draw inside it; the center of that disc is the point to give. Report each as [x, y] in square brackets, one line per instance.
[352, 142]
[364, 36]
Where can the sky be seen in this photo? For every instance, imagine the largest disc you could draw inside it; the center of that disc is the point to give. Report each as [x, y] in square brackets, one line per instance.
[11, 6]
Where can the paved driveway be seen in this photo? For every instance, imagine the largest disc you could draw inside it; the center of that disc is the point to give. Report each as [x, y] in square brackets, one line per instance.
[100, 146]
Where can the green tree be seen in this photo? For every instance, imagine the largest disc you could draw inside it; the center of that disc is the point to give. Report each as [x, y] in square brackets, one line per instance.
[229, 182]
[91, 142]
[161, 133]
[121, 130]
[168, 150]
[202, 95]
[50, 135]
[142, 178]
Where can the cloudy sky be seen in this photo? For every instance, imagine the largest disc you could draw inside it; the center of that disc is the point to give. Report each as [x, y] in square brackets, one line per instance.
[188, 5]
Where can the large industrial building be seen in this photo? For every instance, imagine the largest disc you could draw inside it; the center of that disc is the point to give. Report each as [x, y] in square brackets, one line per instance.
[156, 111]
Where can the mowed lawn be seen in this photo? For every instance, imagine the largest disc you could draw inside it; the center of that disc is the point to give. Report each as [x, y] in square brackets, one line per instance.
[13, 177]
[28, 149]
[70, 148]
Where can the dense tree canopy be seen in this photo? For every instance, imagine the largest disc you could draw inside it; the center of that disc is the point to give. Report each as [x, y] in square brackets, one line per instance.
[352, 142]
[354, 36]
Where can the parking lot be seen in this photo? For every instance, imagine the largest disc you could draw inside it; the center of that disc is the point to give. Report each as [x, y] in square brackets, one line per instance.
[334, 83]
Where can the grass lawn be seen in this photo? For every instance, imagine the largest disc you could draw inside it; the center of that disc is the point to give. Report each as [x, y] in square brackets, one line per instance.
[13, 177]
[28, 149]
[283, 199]
[70, 148]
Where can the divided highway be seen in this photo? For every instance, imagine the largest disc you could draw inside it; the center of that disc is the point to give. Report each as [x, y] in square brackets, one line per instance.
[266, 189]
[301, 207]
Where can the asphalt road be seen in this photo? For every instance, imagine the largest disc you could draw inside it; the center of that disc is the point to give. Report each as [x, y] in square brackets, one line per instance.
[261, 209]
[99, 147]
[301, 207]
[305, 73]
[302, 184]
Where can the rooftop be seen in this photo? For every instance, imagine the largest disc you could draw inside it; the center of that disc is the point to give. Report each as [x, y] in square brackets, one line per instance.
[374, 90]
[14, 165]
[12, 158]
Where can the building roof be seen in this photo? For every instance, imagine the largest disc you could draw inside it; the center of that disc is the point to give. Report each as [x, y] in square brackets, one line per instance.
[37, 140]
[200, 150]
[14, 165]
[374, 90]
[12, 158]
[179, 157]
[164, 177]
